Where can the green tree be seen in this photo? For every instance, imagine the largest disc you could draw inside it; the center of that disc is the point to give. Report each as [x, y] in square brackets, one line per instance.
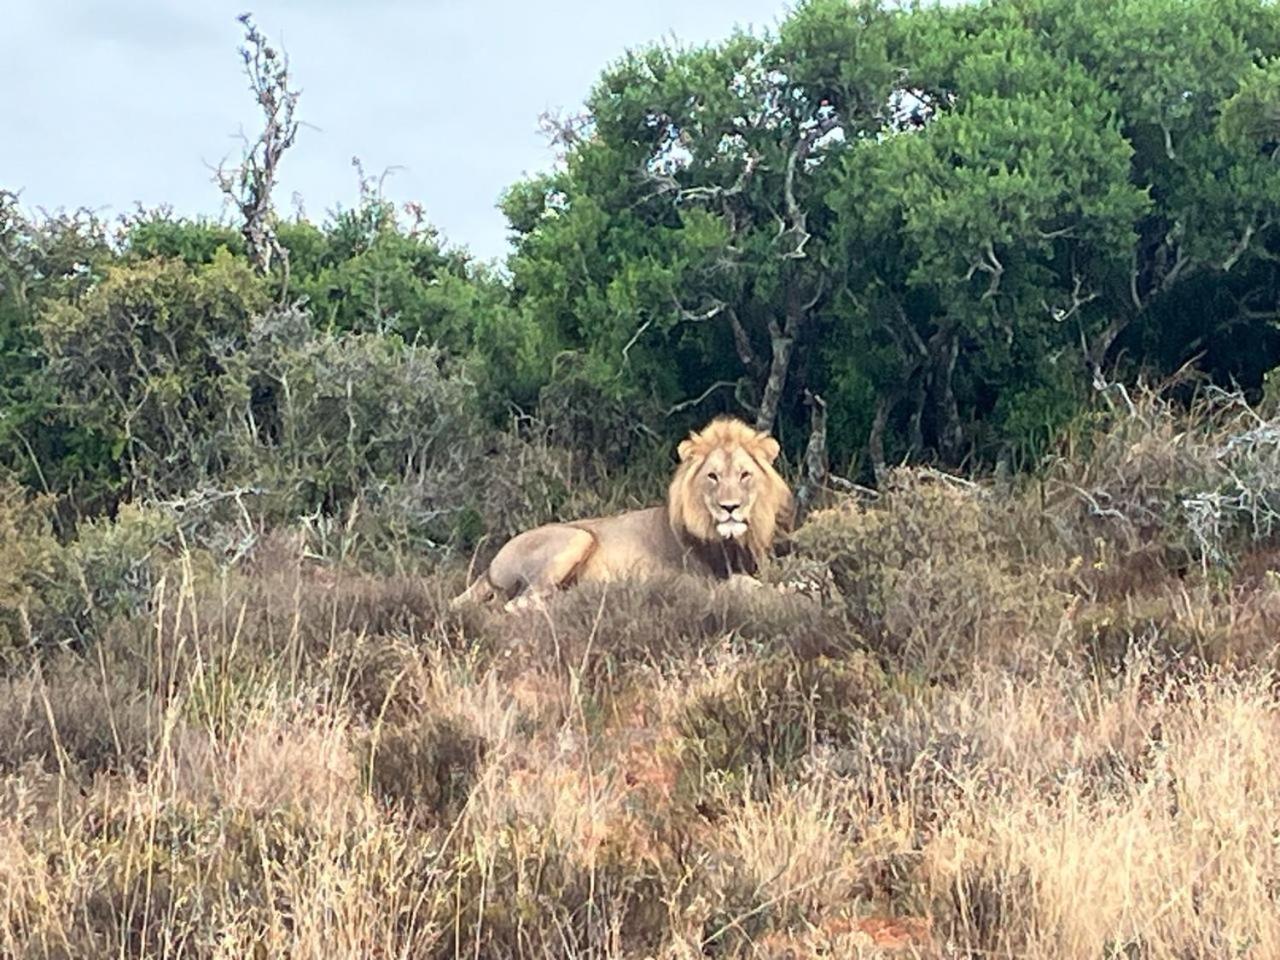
[950, 221]
[55, 257]
[684, 245]
[138, 364]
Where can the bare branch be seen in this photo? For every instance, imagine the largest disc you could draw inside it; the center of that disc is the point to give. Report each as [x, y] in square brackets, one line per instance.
[743, 344]
[715, 192]
[1242, 247]
[249, 186]
[1056, 234]
[714, 310]
[1096, 352]
[989, 264]
[563, 131]
[686, 404]
[795, 215]
[1063, 314]
[634, 338]
[815, 456]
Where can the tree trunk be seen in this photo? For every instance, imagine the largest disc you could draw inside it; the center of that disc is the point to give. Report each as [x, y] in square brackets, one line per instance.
[915, 428]
[782, 342]
[879, 424]
[778, 365]
[815, 458]
[944, 349]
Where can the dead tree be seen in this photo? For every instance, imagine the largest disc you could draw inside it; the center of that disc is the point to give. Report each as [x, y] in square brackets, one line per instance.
[249, 186]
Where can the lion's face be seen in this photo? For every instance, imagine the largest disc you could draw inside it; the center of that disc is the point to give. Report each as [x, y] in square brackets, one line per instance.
[726, 487]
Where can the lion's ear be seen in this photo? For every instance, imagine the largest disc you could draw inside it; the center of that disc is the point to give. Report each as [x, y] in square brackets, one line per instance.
[768, 448]
[685, 450]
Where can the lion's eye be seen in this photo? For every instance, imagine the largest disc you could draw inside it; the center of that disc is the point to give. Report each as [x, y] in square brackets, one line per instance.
[713, 477]
[746, 478]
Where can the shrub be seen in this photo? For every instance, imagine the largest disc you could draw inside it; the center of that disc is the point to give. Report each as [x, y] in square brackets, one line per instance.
[140, 359]
[69, 712]
[380, 446]
[1165, 485]
[52, 593]
[28, 561]
[107, 572]
[763, 717]
[427, 763]
[936, 576]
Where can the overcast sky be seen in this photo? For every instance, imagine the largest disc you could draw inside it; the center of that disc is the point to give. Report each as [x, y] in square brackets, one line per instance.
[112, 102]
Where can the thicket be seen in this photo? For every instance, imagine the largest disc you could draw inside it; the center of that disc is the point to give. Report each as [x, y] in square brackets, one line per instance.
[1025, 713]
[950, 224]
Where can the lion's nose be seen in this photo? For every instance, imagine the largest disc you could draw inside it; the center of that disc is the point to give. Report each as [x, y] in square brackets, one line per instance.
[730, 507]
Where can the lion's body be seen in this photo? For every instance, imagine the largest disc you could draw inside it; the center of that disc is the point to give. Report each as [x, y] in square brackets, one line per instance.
[722, 531]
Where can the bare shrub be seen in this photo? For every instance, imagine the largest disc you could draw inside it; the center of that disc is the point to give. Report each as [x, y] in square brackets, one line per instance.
[69, 716]
[935, 575]
[1164, 484]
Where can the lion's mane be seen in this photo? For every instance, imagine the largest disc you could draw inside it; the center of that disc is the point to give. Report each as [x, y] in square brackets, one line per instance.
[772, 509]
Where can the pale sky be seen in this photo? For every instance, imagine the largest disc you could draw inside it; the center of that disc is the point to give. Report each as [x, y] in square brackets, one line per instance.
[113, 102]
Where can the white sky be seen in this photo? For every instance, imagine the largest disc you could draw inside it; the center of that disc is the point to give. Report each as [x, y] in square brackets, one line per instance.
[113, 102]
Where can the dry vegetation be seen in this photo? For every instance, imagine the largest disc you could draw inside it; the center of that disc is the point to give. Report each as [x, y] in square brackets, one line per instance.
[1028, 722]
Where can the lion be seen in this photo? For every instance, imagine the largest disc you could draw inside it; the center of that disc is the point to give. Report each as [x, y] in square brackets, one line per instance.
[725, 506]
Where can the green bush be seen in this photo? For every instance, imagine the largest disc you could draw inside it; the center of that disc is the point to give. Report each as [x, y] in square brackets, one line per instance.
[139, 362]
[53, 593]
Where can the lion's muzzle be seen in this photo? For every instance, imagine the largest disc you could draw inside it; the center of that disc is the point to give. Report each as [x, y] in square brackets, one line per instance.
[731, 529]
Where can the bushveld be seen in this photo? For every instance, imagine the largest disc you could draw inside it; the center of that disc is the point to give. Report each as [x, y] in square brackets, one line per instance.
[1030, 718]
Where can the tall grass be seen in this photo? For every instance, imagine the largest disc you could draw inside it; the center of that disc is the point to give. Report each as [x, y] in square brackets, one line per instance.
[982, 740]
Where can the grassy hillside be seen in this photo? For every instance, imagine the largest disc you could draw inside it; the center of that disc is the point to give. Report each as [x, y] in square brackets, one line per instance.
[1018, 720]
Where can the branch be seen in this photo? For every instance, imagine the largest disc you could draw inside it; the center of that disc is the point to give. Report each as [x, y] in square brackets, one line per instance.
[717, 307]
[686, 404]
[1095, 354]
[815, 456]
[1062, 315]
[798, 155]
[1242, 247]
[716, 192]
[746, 353]
[989, 264]
[634, 337]
[1133, 284]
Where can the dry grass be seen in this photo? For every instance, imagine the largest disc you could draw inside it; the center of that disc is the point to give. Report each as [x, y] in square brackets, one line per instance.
[981, 744]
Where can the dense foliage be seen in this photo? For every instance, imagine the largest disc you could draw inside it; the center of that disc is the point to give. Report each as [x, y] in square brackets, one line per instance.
[945, 220]
[950, 223]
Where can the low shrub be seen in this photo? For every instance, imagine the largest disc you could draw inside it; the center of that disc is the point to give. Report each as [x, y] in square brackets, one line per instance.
[936, 576]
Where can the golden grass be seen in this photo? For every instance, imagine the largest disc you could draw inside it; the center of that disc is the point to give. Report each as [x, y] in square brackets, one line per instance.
[273, 765]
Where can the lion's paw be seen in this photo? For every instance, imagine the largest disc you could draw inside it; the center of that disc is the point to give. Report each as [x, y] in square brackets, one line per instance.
[525, 601]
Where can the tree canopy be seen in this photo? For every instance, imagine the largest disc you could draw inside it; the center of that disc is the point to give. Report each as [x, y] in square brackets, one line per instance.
[948, 220]
[952, 224]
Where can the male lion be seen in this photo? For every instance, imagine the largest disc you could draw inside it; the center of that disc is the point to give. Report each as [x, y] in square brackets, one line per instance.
[723, 508]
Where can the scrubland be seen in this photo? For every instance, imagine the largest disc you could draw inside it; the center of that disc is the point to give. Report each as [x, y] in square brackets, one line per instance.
[987, 718]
